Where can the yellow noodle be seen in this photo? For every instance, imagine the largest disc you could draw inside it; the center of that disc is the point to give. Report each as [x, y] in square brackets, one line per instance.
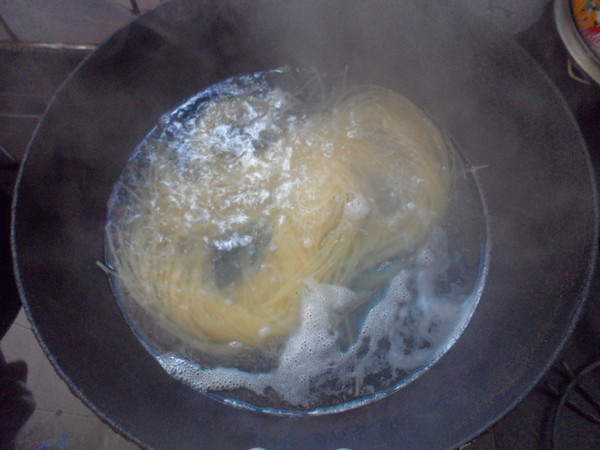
[346, 190]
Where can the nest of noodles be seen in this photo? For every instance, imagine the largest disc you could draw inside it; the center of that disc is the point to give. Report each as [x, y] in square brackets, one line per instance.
[222, 249]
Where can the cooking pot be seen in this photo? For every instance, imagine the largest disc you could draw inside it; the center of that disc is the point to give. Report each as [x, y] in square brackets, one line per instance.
[481, 88]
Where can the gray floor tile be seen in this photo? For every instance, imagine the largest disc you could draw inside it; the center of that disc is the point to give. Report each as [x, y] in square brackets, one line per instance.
[61, 420]
[113, 441]
[68, 21]
[22, 319]
[20, 343]
[48, 430]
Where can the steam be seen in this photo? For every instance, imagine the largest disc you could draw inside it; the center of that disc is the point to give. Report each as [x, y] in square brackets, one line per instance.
[512, 16]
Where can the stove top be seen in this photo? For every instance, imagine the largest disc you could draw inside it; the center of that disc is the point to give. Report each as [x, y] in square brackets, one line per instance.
[563, 410]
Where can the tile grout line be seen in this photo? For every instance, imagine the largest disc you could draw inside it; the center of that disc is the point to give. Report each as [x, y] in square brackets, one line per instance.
[20, 116]
[66, 413]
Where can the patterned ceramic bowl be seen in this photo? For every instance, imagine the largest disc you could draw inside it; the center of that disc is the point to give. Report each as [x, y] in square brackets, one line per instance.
[578, 23]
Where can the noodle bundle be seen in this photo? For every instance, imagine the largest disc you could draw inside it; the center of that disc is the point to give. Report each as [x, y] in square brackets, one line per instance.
[222, 230]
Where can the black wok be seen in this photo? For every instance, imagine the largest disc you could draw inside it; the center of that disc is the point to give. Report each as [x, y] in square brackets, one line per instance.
[478, 85]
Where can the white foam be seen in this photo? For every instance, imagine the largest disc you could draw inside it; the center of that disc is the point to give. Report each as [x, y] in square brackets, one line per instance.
[314, 362]
[307, 242]
[265, 332]
[358, 207]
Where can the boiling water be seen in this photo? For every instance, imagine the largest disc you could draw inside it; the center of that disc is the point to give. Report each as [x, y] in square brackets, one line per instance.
[403, 332]
[353, 343]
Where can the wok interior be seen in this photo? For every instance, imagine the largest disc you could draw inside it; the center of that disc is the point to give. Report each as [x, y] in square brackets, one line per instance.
[477, 85]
